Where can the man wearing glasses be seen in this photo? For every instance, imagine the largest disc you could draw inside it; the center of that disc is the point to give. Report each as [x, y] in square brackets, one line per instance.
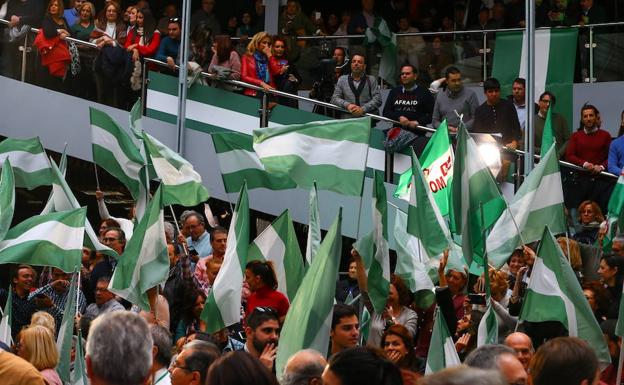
[561, 132]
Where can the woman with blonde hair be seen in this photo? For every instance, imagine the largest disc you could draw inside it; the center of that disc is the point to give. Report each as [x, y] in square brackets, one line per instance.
[256, 68]
[590, 217]
[45, 319]
[36, 345]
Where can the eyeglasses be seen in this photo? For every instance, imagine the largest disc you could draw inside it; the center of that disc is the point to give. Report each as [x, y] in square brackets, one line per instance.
[174, 20]
[106, 240]
[176, 365]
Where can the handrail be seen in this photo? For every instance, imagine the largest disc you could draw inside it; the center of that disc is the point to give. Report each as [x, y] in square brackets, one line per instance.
[68, 38]
[377, 117]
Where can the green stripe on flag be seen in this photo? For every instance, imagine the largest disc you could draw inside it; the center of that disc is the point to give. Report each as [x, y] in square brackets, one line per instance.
[66, 331]
[29, 161]
[7, 198]
[379, 271]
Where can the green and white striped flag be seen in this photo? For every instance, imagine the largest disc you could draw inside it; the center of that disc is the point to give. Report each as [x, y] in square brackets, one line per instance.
[223, 304]
[437, 166]
[239, 163]
[5, 322]
[442, 353]
[62, 199]
[308, 321]
[115, 152]
[7, 198]
[62, 166]
[424, 220]
[554, 294]
[314, 227]
[487, 332]
[548, 137]
[278, 244]
[79, 374]
[144, 262]
[294, 150]
[473, 185]
[616, 202]
[136, 121]
[554, 63]
[180, 183]
[47, 240]
[413, 264]
[66, 331]
[381, 33]
[538, 202]
[29, 160]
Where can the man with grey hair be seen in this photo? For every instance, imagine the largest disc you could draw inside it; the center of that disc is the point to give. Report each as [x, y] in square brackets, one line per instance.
[463, 375]
[119, 350]
[190, 367]
[617, 247]
[161, 353]
[501, 358]
[304, 368]
[198, 240]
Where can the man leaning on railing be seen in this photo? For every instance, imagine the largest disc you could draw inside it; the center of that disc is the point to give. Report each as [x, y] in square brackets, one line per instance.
[358, 93]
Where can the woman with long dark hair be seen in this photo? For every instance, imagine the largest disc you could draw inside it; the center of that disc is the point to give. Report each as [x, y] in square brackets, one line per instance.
[612, 277]
[225, 61]
[398, 345]
[262, 281]
[189, 319]
[143, 40]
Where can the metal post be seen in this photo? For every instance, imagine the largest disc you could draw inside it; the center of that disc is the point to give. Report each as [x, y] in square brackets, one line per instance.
[591, 54]
[183, 74]
[264, 110]
[25, 49]
[530, 88]
[518, 174]
[389, 172]
[271, 16]
[484, 51]
[144, 83]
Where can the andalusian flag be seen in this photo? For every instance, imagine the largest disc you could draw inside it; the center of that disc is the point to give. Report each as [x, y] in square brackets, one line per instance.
[79, 374]
[136, 120]
[144, 263]
[180, 183]
[554, 63]
[537, 203]
[413, 264]
[115, 152]
[548, 137]
[239, 163]
[314, 227]
[223, 305]
[442, 353]
[487, 333]
[29, 160]
[308, 321]
[47, 240]
[554, 294]
[294, 150]
[424, 220]
[473, 185]
[278, 244]
[382, 34]
[5, 322]
[61, 199]
[437, 166]
[66, 331]
[7, 198]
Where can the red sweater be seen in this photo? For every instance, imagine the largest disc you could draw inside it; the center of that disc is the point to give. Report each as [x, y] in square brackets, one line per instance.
[592, 148]
[269, 298]
[144, 50]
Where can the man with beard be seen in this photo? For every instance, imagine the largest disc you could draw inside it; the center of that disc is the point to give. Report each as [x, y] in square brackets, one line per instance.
[262, 329]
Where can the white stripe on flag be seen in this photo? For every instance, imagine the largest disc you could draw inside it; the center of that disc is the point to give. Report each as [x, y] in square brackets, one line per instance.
[343, 154]
[106, 140]
[57, 233]
[172, 176]
[237, 160]
[26, 161]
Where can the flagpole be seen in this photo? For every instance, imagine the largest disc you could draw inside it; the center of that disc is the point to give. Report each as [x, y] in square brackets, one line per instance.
[517, 227]
[78, 293]
[357, 232]
[175, 220]
[97, 180]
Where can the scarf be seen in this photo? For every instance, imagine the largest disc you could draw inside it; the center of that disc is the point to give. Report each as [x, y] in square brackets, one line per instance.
[262, 70]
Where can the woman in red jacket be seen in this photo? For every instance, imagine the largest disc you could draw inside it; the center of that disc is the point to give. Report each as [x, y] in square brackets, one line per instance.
[256, 67]
[143, 41]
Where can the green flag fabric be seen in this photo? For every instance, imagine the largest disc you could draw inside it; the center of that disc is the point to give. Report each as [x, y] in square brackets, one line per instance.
[554, 294]
[180, 183]
[424, 220]
[294, 150]
[79, 374]
[29, 161]
[381, 33]
[437, 166]
[538, 202]
[379, 270]
[145, 261]
[47, 240]
[5, 321]
[7, 198]
[473, 184]
[554, 66]
[115, 152]
[442, 353]
[239, 163]
[314, 226]
[308, 320]
[548, 139]
[223, 305]
[66, 331]
[278, 244]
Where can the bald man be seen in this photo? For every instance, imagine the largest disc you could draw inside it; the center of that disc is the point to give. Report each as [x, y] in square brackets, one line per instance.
[305, 365]
[523, 347]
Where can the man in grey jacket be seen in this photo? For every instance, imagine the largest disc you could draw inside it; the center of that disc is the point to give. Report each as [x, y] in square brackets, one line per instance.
[357, 92]
[454, 100]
